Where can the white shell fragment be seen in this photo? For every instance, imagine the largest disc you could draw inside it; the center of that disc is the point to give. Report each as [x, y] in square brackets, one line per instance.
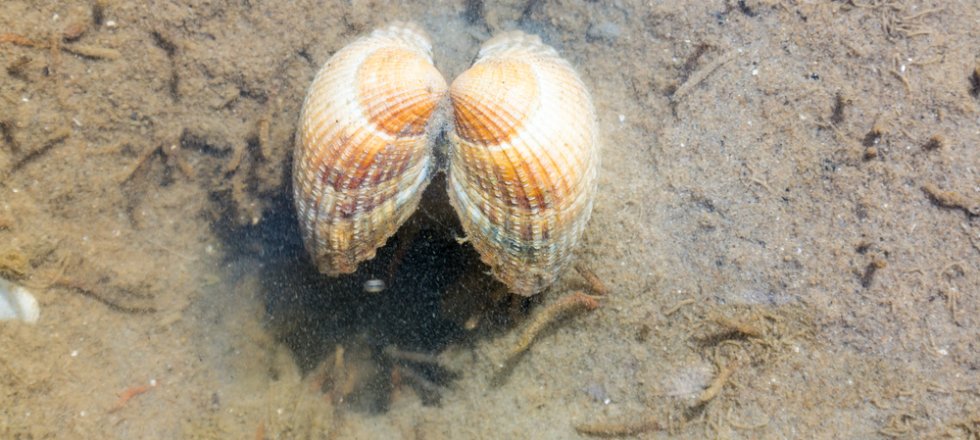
[374, 286]
[17, 303]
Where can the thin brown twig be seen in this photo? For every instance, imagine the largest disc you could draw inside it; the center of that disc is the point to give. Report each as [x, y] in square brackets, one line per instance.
[129, 393]
[701, 75]
[905, 81]
[595, 283]
[83, 289]
[18, 40]
[717, 383]
[739, 327]
[545, 317]
[619, 429]
[55, 46]
[55, 139]
[142, 160]
[951, 199]
[674, 308]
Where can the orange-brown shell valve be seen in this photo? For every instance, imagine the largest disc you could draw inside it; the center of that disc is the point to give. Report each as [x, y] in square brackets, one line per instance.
[363, 153]
[523, 159]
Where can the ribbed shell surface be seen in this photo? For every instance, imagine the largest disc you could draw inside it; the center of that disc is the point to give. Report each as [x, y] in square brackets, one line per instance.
[523, 159]
[363, 155]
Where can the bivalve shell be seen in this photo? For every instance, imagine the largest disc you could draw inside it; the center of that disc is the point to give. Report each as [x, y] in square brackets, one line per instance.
[523, 159]
[363, 153]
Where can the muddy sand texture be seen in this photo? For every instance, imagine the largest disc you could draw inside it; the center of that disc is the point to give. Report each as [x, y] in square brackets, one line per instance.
[789, 202]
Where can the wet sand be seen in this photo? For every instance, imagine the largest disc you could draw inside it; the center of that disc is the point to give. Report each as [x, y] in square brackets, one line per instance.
[787, 223]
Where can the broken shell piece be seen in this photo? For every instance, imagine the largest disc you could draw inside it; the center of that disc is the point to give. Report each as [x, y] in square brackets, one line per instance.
[17, 303]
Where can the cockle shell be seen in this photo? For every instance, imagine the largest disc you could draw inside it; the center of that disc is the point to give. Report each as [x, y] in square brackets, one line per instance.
[363, 154]
[523, 152]
[523, 159]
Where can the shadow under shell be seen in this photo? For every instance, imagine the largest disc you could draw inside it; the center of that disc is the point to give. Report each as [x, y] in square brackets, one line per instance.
[433, 285]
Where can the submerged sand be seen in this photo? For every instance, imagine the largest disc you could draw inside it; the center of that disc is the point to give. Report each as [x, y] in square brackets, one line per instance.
[787, 222]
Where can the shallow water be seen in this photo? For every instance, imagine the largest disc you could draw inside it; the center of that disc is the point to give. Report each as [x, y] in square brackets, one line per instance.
[788, 202]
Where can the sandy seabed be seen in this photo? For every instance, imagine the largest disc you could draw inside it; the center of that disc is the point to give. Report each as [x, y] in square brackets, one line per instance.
[787, 222]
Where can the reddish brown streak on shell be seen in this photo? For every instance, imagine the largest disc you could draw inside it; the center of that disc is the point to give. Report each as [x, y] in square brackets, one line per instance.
[355, 170]
[363, 152]
[522, 170]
